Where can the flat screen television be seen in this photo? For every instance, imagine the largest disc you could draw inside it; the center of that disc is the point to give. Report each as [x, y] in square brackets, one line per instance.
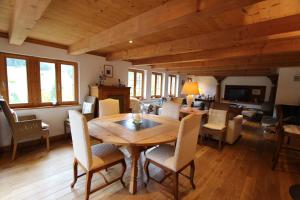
[237, 94]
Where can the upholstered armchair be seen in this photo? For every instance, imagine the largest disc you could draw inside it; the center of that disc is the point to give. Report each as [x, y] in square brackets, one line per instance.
[217, 124]
[87, 110]
[234, 129]
[24, 127]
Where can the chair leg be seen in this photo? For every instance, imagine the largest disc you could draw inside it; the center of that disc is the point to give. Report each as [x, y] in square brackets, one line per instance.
[176, 185]
[75, 172]
[192, 174]
[276, 156]
[14, 150]
[47, 143]
[146, 168]
[89, 176]
[220, 144]
[123, 172]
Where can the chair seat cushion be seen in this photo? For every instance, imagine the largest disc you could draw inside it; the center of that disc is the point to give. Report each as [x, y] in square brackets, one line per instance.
[105, 154]
[214, 126]
[163, 154]
[292, 129]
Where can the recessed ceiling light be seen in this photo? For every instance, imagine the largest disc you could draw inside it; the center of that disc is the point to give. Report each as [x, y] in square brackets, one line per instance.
[130, 41]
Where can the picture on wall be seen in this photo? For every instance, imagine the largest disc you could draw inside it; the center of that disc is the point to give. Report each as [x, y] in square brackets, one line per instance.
[108, 71]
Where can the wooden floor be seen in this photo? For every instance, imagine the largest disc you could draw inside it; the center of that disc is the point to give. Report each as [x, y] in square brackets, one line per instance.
[240, 171]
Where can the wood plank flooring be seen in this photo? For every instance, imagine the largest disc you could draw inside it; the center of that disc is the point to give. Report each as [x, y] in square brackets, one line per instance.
[239, 171]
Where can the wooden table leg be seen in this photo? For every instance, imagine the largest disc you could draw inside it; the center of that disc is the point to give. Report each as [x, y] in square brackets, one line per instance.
[135, 155]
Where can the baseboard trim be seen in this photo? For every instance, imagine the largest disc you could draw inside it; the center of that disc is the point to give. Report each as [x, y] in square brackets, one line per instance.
[52, 139]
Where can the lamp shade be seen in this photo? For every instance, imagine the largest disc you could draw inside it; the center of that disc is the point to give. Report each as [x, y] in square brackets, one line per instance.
[190, 88]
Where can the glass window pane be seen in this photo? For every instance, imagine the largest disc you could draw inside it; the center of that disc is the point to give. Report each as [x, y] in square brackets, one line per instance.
[139, 84]
[173, 86]
[68, 82]
[152, 85]
[17, 80]
[169, 85]
[158, 85]
[48, 82]
[131, 82]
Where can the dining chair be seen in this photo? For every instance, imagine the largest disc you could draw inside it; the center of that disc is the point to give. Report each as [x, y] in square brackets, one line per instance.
[87, 109]
[94, 158]
[176, 158]
[108, 107]
[217, 123]
[24, 128]
[170, 110]
[284, 133]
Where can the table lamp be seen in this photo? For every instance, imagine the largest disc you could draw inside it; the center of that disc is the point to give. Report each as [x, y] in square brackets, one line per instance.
[190, 88]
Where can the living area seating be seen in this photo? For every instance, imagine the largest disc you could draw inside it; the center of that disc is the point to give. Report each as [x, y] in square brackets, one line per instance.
[92, 159]
[24, 128]
[177, 158]
[285, 131]
[217, 123]
[234, 129]
[87, 109]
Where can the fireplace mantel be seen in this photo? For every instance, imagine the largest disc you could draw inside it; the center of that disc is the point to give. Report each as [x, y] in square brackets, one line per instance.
[120, 93]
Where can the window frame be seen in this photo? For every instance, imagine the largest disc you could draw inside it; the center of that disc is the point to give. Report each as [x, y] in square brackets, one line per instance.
[155, 84]
[135, 71]
[171, 76]
[33, 80]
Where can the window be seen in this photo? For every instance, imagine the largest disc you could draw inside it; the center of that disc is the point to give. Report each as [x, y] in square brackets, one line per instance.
[30, 81]
[136, 83]
[16, 70]
[48, 82]
[156, 84]
[172, 85]
[67, 83]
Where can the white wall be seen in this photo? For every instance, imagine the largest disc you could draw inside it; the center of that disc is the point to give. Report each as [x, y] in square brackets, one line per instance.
[90, 67]
[208, 83]
[288, 90]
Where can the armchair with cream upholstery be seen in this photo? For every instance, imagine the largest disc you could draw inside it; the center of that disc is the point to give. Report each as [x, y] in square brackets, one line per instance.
[94, 158]
[217, 123]
[234, 129]
[177, 158]
[108, 107]
[24, 127]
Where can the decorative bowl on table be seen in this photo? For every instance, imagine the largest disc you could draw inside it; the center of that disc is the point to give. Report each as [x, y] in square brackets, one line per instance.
[137, 118]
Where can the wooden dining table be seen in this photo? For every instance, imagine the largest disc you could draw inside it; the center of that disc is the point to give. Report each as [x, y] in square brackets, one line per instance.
[120, 130]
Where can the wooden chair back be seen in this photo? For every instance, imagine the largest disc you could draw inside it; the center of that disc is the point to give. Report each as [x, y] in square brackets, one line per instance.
[7, 112]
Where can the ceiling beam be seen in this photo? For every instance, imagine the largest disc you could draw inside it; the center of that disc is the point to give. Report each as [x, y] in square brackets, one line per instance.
[286, 27]
[263, 72]
[25, 15]
[276, 46]
[168, 15]
[271, 61]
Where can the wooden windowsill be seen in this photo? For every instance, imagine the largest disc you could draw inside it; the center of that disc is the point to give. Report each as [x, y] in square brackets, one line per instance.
[46, 107]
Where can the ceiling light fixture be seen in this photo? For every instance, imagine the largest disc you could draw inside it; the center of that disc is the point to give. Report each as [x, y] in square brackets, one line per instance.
[130, 41]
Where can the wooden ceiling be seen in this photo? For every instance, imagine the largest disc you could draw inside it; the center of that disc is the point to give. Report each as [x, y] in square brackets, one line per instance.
[199, 37]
